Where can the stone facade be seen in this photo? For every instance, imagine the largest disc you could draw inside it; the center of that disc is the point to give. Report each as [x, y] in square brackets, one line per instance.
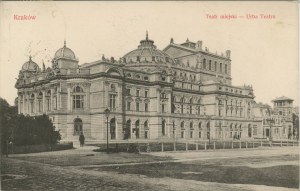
[181, 92]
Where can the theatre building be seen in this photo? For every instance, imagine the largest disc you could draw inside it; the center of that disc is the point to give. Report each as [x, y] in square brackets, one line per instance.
[181, 92]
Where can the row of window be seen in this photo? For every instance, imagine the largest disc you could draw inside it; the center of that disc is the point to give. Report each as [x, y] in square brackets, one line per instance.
[137, 92]
[39, 108]
[230, 90]
[209, 66]
[137, 76]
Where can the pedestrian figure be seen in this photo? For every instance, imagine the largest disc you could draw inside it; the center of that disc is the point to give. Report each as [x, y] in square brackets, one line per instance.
[81, 139]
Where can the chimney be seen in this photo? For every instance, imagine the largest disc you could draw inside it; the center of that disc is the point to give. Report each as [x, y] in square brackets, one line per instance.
[171, 41]
[199, 45]
[228, 53]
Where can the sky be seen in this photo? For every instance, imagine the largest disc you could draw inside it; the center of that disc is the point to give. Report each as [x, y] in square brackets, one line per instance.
[264, 52]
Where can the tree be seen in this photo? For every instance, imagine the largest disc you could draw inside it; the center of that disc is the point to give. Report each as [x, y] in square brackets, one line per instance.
[25, 130]
[7, 115]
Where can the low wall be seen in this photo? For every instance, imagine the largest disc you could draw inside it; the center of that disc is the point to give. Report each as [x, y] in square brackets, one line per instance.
[39, 148]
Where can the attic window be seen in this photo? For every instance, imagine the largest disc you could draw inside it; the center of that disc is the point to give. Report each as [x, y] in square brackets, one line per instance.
[146, 78]
[153, 58]
[138, 58]
[129, 75]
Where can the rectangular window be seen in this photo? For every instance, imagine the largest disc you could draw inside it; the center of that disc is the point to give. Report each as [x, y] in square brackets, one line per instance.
[163, 108]
[77, 102]
[146, 134]
[225, 68]
[128, 106]
[146, 107]
[112, 101]
[137, 93]
[199, 134]
[221, 68]
[220, 112]
[182, 134]
[146, 93]
[191, 134]
[137, 106]
[255, 131]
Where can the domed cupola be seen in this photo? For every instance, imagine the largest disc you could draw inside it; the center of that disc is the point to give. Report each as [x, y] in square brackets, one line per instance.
[147, 53]
[30, 66]
[64, 58]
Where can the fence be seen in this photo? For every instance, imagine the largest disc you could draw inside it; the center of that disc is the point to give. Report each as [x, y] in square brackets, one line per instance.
[163, 146]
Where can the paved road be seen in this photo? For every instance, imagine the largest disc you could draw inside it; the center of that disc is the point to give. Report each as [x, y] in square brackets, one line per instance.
[37, 176]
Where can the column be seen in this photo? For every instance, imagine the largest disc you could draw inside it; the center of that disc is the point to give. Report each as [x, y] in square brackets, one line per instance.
[59, 97]
[19, 104]
[35, 103]
[44, 99]
[69, 97]
[24, 94]
[51, 99]
[87, 95]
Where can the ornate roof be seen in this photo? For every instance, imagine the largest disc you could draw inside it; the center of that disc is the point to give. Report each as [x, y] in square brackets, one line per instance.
[283, 98]
[65, 52]
[30, 66]
[147, 52]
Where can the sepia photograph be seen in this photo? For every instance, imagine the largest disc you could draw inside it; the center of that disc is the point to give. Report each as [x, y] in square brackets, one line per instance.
[149, 95]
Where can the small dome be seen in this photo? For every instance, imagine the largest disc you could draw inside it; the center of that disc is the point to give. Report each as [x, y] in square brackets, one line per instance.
[30, 65]
[65, 52]
[147, 52]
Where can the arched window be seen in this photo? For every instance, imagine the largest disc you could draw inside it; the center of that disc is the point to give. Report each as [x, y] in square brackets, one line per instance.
[200, 126]
[78, 98]
[221, 67]
[77, 126]
[191, 106]
[146, 128]
[32, 102]
[182, 125]
[40, 102]
[225, 68]
[113, 128]
[209, 65]
[127, 129]
[48, 96]
[137, 129]
[249, 130]
[204, 63]
[191, 125]
[215, 68]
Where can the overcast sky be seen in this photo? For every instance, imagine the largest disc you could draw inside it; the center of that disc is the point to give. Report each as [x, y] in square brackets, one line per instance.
[264, 51]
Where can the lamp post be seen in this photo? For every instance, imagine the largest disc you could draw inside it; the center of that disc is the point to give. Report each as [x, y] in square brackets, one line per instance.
[271, 121]
[208, 128]
[107, 112]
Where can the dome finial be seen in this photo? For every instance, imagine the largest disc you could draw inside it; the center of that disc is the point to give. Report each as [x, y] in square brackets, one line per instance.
[65, 43]
[146, 34]
[29, 57]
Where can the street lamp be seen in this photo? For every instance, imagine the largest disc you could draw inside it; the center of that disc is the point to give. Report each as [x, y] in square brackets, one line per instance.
[208, 128]
[107, 112]
[271, 121]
